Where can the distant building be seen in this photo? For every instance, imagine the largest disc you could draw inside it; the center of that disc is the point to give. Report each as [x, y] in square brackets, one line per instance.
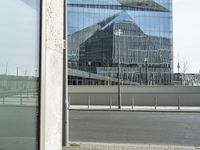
[191, 79]
[94, 48]
[177, 79]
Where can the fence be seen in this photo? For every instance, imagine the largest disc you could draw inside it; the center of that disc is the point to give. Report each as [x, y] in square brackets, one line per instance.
[135, 96]
[26, 97]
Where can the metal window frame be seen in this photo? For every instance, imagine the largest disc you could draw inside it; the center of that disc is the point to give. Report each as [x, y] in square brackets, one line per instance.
[42, 74]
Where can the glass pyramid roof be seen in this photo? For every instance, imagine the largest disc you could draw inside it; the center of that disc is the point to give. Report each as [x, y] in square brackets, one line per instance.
[122, 16]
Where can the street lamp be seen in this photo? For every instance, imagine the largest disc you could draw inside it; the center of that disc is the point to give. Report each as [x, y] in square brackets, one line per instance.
[89, 64]
[118, 33]
[65, 108]
[146, 70]
[140, 66]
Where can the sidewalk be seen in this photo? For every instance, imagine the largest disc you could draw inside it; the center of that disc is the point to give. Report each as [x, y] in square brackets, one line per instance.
[104, 146]
[135, 108]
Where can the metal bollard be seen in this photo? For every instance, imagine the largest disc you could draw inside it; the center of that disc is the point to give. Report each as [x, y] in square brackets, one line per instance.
[133, 101]
[110, 102]
[88, 102]
[156, 102]
[179, 102]
[21, 98]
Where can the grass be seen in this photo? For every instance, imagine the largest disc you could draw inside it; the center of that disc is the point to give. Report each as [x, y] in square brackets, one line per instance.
[74, 145]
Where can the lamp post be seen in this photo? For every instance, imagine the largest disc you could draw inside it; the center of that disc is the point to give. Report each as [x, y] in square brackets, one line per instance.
[89, 64]
[17, 74]
[65, 108]
[118, 33]
[146, 70]
[140, 66]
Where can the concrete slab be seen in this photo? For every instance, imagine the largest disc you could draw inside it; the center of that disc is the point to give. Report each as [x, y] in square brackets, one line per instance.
[134, 108]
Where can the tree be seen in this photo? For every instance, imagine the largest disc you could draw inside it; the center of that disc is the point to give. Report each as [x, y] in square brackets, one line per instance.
[184, 70]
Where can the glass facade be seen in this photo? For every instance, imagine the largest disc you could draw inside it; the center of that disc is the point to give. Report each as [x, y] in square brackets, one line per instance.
[19, 74]
[144, 50]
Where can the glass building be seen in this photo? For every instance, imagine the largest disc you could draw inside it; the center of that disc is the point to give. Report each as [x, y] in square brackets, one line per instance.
[144, 50]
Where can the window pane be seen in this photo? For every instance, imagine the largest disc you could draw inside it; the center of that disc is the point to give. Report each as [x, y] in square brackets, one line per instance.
[94, 49]
[19, 67]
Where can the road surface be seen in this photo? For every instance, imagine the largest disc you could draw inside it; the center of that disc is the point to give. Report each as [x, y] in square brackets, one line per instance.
[18, 127]
[135, 127]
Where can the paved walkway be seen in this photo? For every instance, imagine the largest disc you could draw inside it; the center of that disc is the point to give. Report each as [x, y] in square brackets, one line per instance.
[135, 108]
[100, 146]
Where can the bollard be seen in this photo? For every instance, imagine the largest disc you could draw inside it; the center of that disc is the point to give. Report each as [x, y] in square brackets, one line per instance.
[88, 102]
[21, 98]
[179, 102]
[110, 102]
[133, 100]
[156, 102]
[27, 92]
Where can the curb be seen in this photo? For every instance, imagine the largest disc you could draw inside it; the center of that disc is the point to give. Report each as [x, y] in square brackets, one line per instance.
[116, 146]
[136, 110]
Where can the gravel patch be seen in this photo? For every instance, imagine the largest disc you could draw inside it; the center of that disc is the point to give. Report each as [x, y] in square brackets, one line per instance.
[100, 146]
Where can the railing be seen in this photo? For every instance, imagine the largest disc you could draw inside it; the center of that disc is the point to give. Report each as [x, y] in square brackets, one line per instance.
[112, 104]
[135, 97]
[26, 98]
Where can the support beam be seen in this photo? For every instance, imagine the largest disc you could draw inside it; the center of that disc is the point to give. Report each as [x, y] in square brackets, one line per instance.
[51, 75]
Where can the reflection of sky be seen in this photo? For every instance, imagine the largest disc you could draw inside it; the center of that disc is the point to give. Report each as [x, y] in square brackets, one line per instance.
[19, 40]
[100, 2]
[121, 16]
[152, 23]
[32, 3]
[78, 20]
[165, 3]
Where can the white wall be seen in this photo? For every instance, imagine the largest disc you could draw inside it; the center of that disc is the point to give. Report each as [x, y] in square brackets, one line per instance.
[143, 95]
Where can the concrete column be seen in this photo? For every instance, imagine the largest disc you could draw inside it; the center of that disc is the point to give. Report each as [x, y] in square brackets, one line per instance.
[51, 75]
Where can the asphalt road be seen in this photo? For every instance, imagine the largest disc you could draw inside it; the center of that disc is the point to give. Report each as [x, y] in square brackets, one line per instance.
[18, 127]
[135, 127]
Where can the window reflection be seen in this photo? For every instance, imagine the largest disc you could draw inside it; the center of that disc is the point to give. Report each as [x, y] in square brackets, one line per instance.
[93, 46]
[19, 74]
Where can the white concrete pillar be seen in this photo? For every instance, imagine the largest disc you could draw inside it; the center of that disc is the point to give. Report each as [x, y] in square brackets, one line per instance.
[51, 75]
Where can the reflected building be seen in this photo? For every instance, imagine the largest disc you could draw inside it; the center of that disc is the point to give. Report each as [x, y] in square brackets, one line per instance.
[146, 36]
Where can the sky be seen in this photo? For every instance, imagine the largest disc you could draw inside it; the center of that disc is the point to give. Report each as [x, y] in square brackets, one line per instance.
[186, 24]
[19, 40]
